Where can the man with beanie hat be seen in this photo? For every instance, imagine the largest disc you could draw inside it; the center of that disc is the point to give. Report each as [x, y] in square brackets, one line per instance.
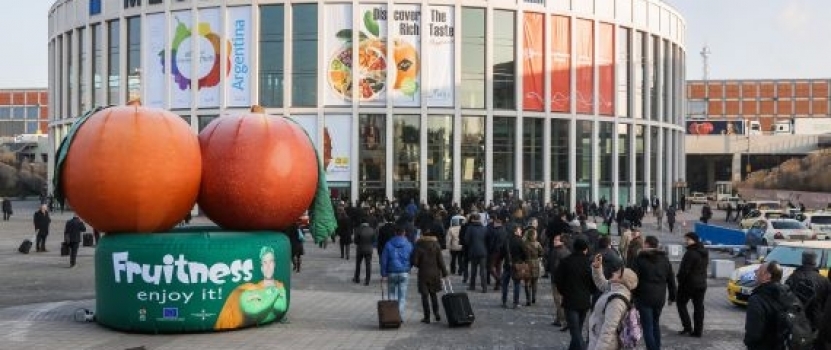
[810, 287]
[574, 281]
[692, 284]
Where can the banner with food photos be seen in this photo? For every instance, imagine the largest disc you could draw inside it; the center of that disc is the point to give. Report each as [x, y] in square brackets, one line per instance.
[406, 54]
[179, 59]
[372, 55]
[337, 147]
[337, 49]
[440, 83]
[212, 50]
[153, 74]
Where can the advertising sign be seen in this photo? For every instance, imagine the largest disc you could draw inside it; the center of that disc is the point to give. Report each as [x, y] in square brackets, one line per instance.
[606, 68]
[584, 29]
[372, 55]
[560, 64]
[155, 37]
[337, 147]
[337, 43]
[439, 85]
[533, 60]
[238, 32]
[715, 127]
[181, 50]
[406, 67]
[191, 280]
[309, 124]
[212, 49]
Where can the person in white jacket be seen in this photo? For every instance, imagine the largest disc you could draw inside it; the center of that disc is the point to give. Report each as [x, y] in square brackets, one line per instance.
[454, 243]
[608, 314]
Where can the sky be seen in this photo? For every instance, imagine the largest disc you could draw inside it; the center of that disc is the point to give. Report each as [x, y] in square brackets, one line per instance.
[749, 39]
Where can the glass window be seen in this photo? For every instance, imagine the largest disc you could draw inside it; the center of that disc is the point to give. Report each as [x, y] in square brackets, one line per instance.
[304, 59]
[790, 256]
[186, 118]
[82, 69]
[473, 160]
[113, 78]
[32, 128]
[624, 56]
[440, 159]
[204, 120]
[271, 55]
[504, 139]
[559, 149]
[584, 151]
[653, 79]
[667, 84]
[406, 166]
[5, 112]
[640, 164]
[70, 75]
[623, 136]
[372, 153]
[32, 112]
[473, 58]
[532, 138]
[18, 113]
[504, 71]
[653, 157]
[58, 103]
[639, 61]
[12, 128]
[97, 64]
[606, 139]
[133, 58]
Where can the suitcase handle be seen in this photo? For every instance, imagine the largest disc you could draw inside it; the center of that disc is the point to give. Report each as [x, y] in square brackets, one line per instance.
[381, 283]
[446, 282]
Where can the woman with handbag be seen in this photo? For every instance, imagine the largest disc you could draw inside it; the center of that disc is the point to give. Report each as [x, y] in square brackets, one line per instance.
[514, 266]
[533, 251]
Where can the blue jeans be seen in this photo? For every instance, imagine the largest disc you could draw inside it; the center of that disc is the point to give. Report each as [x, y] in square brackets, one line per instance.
[506, 278]
[575, 319]
[397, 288]
[650, 321]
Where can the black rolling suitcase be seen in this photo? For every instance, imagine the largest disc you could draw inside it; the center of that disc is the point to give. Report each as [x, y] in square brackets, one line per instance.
[88, 240]
[25, 247]
[457, 308]
[389, 315]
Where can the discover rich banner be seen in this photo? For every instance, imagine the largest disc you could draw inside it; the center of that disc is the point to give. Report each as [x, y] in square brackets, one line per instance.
[533, 61]
[439, 56]
[406, 63]
[373, 62]
[560, 64]
[239, 32]
[337, 147]
[153, 73]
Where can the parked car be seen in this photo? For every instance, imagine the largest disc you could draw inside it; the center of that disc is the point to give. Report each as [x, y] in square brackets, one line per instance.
[766, 231]
[729, 201]
[764, 205]
[819, 223]
[756, 215]
[789, 255]
[698, 198]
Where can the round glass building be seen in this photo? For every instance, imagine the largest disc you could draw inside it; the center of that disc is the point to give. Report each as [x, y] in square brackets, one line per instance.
[437, 101]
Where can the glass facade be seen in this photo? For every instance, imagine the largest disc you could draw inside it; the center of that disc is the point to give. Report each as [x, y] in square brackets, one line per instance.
[449, 134]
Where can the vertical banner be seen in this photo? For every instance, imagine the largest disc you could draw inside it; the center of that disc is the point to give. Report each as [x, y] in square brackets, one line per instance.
[212, 49]
[181, 51]
[337, 147]
[406, 49]
[440, 57]
[606, 68]
[560, 64]
[238, 32]
[533, 82]
[309, 124]
[337, 42]
[372, 55]
[155, 37]
[584, 29]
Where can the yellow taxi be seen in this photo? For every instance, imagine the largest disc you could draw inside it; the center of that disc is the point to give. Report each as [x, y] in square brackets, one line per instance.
[789, 255]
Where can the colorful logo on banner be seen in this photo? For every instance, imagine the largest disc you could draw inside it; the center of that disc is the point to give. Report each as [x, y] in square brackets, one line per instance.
[208, 61]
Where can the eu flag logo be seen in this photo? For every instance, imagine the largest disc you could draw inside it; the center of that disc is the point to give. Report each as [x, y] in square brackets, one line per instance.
[170, 312]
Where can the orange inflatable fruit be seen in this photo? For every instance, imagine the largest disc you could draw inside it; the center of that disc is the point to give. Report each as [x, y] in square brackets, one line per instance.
[133, 169]
[259, 171]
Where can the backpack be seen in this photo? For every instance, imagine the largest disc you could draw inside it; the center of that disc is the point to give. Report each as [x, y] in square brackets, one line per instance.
[792, 325]
[629, 329]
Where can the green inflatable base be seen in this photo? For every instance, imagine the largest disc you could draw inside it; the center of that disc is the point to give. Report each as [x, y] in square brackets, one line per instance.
[195, 279]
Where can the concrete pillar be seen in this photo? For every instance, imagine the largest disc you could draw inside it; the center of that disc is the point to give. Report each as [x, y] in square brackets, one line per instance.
[736, 167]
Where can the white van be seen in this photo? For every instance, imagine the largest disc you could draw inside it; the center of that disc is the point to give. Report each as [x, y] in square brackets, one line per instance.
[820, 223]
[764, 205]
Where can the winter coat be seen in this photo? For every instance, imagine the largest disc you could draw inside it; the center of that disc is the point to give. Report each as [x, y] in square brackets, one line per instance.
[555, 255]
[385, 234]
[816, 306]
[427, 257]
[495, 237]
[73, 229]
[517, 251]
[365, 237]
[475, 241]
[760, 318]
[396, 256]
[655, 278]
[574, 281]
[692, 273]
[632, 250]
[7, 206]
[623, 246]
[607, 315]
[453, 241]
[344, 230]
[533, 251]
[42, 221]
[294, 241]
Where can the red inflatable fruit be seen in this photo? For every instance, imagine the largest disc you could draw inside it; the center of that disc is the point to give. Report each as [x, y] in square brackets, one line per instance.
[259, 171]
[133, 169]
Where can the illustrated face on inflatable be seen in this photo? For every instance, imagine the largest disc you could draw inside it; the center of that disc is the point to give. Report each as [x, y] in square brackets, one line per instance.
[257, 303]
[267, 265]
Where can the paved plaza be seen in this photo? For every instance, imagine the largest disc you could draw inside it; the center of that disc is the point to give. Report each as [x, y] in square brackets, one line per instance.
[39, 295]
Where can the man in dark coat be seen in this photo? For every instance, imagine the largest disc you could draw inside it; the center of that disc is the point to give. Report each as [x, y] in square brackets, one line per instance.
[41, 221]
[365, 237]
[760, 331]
[72, 235]
[574, 281]
[7, 209]
[427, 257]
[495, 236]
[344, 231]
[810, 287]
[477, 251]
[655, 279]
[671, 218]
[692, 284]
[385, 233]
[557, 252]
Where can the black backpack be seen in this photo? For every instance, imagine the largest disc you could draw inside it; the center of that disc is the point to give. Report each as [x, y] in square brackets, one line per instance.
[793, 328]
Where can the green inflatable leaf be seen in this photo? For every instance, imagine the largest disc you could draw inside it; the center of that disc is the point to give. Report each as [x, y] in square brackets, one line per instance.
[63, 151]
